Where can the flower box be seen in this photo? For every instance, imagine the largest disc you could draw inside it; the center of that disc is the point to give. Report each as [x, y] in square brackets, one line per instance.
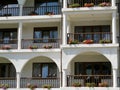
[76, 84]
[105, 41]
[74, 5]
[47, 46]
[103, 4]
[31, 86]
[103, 84]
[33, 47]
[88, 4]
[73, 42]
[6, 47]
[88, 41]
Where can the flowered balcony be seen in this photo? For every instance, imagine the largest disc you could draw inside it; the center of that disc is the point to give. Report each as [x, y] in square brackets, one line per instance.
[89, 38]
[90, 80]
[40, 43]
[88, 3]
[41, 10]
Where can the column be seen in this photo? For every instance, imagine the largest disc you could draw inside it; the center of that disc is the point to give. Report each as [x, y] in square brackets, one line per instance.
[114, 37]
[114, 77]
[18, 79]
[113, 3]
[65, 3]
[64, 40]
[21, 9]
[64, 77]
[19, 35]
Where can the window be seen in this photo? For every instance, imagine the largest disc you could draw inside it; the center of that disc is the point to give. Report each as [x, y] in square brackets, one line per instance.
[8, 36]
[95, 33]
[45, 35]
[92, 68]
[7, 70]
[44, 70]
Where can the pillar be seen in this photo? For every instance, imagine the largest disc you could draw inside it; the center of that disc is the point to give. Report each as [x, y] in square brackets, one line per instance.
[19, 35]
[114, 37]
[113, 3]
[114, 77]
[65, 3]
[18, 79]
[64, 77]
[64, 29]
[21, 10]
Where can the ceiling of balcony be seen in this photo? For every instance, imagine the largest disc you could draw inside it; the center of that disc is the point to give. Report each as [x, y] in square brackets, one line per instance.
[89, 17]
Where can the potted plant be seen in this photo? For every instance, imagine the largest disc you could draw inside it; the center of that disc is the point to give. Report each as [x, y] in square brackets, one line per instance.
[90, 84]
[4, 86]
[31, 86]
[33, 47]
[33, 13]
[103, 84]
[47, 46]
[88, 4]
[47, 86]
[105, 41]
[74, 5]
[103, 4]
[6, 47]
[88, 41]
[73, 42]
[76, 84]
[49, 13]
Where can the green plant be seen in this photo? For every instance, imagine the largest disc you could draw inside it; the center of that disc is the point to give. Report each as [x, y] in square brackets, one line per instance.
[33, 47]
[76, 84]
[74, 5]
[47, 86]
[105, 41]
[4, 86]
[31, 86]
[47, 46]
[73, 42]
[90, 84]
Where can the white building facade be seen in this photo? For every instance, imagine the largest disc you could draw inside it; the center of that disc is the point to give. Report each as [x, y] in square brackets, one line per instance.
[59, 43]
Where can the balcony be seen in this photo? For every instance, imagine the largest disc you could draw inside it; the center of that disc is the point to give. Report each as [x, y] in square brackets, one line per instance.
[41, 10]
[88, 3]
[95, 37]
[11, 82]
[90, 80]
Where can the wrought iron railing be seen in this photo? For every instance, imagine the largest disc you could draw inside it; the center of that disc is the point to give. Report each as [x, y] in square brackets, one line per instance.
[81, 3]
[40, 43]
[97, 37]
[40, 82]
[90, 80]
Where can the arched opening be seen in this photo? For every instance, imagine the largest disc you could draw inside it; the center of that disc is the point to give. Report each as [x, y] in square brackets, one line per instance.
[90, 67]
[41, 70]
[7, 73]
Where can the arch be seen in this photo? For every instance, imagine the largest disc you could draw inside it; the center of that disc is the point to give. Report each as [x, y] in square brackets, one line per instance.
[88, 52]
[32, 58]
[6, 60]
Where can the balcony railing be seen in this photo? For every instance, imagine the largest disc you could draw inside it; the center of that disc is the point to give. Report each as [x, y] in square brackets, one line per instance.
[81, 3]
[42, 10]
[40, 43]
[86, 80]
[10, 81]
[8, 44]
[40, 82]
[11, 11]
[97, 37]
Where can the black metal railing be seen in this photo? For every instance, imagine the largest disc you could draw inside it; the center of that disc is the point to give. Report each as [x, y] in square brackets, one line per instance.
[81, 3]
[40, 43]
[42, 10]
[90, 80]
[97, 37]
[40, 82]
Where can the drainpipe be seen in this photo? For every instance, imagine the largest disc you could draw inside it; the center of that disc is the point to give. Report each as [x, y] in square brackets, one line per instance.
[118, 5]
